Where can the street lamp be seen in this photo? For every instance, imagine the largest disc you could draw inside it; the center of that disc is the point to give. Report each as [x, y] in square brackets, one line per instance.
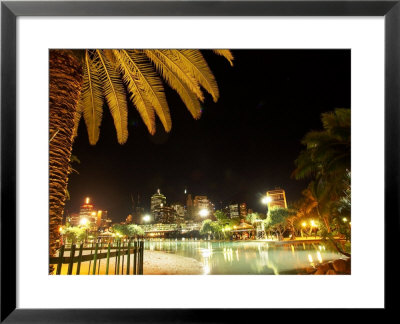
[146, 218]
[266, 200]
[204, 212]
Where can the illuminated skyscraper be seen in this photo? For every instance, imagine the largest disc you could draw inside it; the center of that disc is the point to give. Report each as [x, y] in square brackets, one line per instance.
[87, 210]
[157, 201]
[179, 212]
[277, 198]
[234, 211]
[202, 203]
[89, 216]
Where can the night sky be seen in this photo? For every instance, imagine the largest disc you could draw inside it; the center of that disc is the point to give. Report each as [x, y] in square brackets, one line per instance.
[243, 145]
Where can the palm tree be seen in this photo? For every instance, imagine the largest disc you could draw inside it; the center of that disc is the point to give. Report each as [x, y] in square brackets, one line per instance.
[326, 159]
[327, 152]
[82, 80]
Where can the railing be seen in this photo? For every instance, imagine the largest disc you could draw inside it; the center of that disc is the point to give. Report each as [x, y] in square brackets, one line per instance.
[99, 251]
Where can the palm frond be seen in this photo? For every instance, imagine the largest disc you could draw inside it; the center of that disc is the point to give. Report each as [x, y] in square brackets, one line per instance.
[167, 59]
[225, 53]
[176, 83]
[91, 100]
[114, 93]
[137, 93]
[195, 64]
[153, 89]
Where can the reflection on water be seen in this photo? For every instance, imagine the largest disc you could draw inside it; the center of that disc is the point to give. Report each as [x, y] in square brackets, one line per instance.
[248, 257]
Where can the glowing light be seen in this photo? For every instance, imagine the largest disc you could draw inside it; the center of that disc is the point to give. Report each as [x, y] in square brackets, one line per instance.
[313, 223]
[304, 224]
[61, 229]
[94, 214]
[266, 200]
[87, 200]
[319, 257]
[206, 253]
[146, 218]
[204, 213]
[83, 221]
[344, 219]
[310, 258]
[185, 191]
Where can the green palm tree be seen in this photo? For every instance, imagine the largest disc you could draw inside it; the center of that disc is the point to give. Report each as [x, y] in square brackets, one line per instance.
[327, 152]
[326, 160]
[81, 81]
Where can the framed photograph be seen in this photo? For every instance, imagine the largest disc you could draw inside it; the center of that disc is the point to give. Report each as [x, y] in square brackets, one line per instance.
[183, 156]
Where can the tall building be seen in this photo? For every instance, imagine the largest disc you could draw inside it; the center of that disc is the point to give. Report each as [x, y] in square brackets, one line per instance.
[87, 211]
[164, 215]
[243, 210]
[89, 215]
[137, 211]
[277, 198]
[189, 207]
[157, 200]
[99, 218]
[105, 221]
[200, 203]
[234, 211]
[179, 212]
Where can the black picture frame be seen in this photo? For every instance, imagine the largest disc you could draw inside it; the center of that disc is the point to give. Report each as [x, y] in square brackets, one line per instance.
[10, 10]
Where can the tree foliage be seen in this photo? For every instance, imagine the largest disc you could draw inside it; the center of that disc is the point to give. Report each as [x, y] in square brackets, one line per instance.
[130, 230]
[74, 234]
[109, 74]
[326, 160]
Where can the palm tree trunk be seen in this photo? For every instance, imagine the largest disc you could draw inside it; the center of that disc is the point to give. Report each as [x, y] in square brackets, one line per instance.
[65, 87]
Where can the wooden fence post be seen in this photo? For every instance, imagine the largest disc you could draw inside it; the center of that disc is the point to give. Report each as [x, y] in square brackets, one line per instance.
[108, 257]
[141, 256]
[128, 261]
[78, 267]
[135, 258]
[118, 256]
[60, 259]
[95, 259]
[71, 262]
[123, 258]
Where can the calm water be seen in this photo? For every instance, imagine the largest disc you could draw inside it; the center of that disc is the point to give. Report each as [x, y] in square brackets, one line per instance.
[248, 257]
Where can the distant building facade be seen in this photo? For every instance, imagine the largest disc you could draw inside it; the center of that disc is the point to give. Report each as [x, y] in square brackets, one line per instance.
[200, 203]
[243, 210]
[234, 211]
[277, 198]
[179, 212]
[157, 201]
[164, 215]
[73, 219]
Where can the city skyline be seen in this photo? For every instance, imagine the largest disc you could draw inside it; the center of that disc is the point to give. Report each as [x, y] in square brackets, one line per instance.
[241, 146]
[157, 200]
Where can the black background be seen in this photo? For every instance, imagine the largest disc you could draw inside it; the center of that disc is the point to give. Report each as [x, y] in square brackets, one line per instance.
[243, 145]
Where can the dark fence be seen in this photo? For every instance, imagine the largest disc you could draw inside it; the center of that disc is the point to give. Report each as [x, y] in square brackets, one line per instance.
[113, 254]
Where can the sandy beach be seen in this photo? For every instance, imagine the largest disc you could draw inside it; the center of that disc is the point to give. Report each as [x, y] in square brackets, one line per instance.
[155, 263]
